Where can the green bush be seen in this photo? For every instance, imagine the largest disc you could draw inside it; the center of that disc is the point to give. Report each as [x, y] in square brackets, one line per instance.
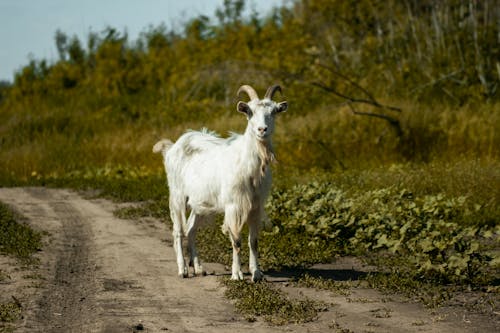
[433, 232]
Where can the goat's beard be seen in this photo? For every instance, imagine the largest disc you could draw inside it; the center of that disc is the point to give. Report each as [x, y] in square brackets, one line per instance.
[266, 155]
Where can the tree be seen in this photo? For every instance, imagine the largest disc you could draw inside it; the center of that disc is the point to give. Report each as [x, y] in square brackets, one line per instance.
[61, 44]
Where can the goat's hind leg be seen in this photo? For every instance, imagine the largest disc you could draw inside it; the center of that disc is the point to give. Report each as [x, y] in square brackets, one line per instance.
[178, 215]
[194, 222]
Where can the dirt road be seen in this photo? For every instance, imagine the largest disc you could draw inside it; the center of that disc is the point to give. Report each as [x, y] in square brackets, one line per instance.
[99, 273]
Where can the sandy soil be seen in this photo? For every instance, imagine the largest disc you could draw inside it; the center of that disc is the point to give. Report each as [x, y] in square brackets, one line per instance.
[98, 273]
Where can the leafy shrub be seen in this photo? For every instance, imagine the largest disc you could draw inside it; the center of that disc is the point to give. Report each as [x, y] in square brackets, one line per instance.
[316, 209]
[431, 232]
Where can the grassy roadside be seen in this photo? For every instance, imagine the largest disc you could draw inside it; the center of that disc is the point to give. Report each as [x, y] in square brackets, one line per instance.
[17, 239]
[413, 189]
[264, 300]
[445, 215]
[319, 216]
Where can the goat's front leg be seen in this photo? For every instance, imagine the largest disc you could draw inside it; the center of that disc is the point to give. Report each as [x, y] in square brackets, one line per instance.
[232, 225]
[236, 273]
[253, 232]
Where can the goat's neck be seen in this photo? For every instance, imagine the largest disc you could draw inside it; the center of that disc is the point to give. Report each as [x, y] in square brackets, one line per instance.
[260, 153]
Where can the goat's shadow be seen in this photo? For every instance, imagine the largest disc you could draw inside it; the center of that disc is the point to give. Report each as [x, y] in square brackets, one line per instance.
[342, 269]
[285, 275]
[324, 273]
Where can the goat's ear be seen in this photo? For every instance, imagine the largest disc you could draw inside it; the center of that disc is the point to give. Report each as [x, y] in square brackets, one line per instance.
[282, 107]
[244, 108]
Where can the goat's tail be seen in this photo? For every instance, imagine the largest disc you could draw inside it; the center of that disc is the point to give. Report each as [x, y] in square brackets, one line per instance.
[162, 146]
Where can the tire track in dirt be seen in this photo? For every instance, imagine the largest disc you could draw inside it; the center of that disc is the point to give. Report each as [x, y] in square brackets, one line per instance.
[65, 301]
[70, 296]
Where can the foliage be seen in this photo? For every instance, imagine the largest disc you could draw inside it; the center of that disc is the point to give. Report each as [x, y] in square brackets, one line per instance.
[390, 149]
[108, 98]
[440, 50]
[430, 232]
[262, 299]
[319, 283]
[10, 312]
[433, 233]
[17, 238]
[118, 182]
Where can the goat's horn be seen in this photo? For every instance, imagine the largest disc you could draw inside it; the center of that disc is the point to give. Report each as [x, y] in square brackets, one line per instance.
[272, 89]
[249, 90]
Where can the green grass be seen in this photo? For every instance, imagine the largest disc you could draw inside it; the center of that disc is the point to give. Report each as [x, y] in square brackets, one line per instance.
[299, 241]
[320, 283]
[453, 190]
[428, 191]
[264, 300]
[16, 237]
[429, 294]
[335, 214]
[19, 240]
[445, 155]
[10, 312]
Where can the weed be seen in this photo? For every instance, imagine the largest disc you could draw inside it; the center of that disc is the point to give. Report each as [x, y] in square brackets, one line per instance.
[308, 281]
[337, 328]
[10, 311]
[263, 300]
[431, 232]
[130, 212]
[381, 313]
[429, 294]
[214, 246]
[3, 276]
[158, 209]
[423, 201]
[17, 238]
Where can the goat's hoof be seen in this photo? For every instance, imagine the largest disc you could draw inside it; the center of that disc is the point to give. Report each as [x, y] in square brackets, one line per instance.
[237, 276]
[257, 276]
[199, 271]
[183, 274]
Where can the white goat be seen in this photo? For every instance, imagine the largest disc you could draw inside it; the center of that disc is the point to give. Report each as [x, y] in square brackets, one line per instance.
[209, 175]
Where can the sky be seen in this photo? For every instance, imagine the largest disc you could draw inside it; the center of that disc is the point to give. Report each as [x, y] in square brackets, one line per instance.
[27, 27]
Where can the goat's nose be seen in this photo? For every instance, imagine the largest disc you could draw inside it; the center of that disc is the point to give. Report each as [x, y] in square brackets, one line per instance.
[262, 129]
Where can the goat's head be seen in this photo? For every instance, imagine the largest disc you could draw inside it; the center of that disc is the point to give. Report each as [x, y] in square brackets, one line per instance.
[261, 112]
